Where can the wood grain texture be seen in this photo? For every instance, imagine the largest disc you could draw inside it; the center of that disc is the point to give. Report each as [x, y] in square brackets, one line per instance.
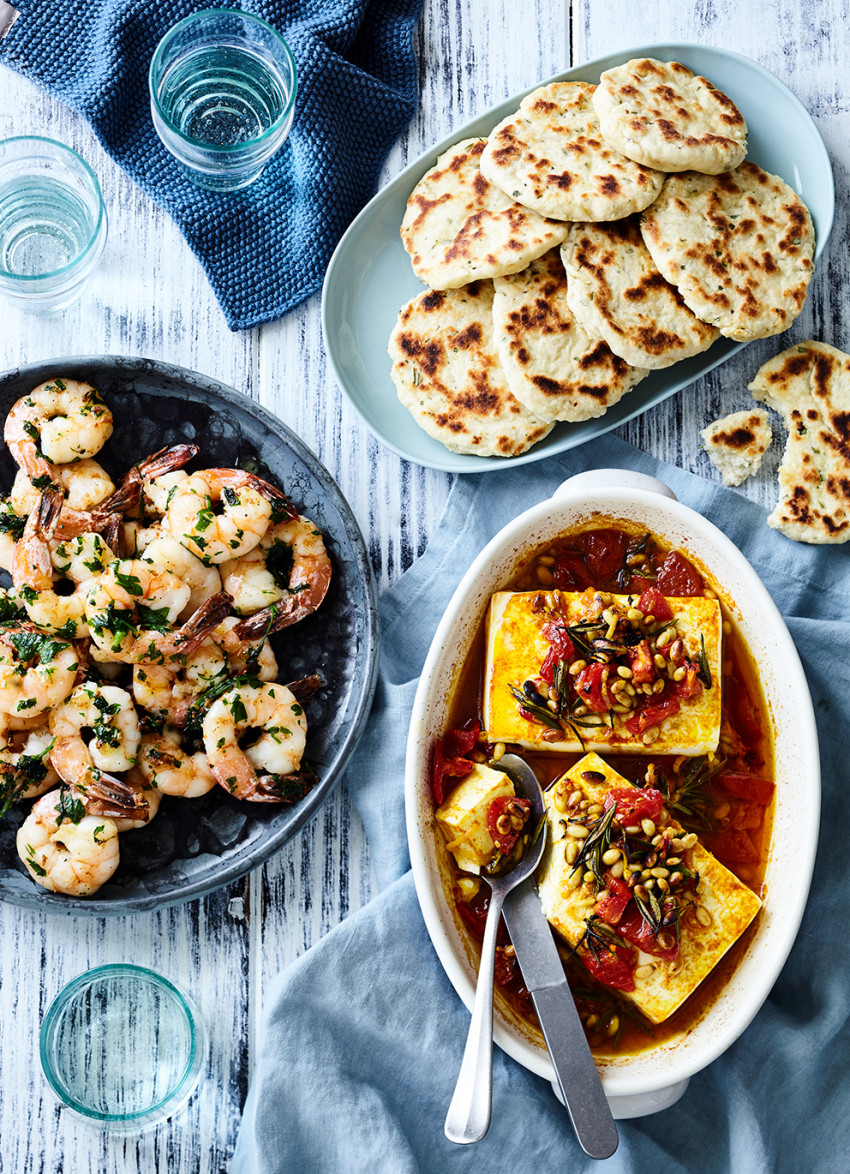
[150, 298]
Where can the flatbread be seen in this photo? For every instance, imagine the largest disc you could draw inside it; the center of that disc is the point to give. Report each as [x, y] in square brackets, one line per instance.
[617, 293]
[552, 366]
[659, 114]
[737, 443]
[738, 246]
[448, 375]
[459, 227]
[809, 384]
[550, 156]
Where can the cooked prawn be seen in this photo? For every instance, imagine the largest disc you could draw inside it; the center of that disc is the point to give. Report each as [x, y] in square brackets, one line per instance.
[86, 485]
[37, 671]
[64, 854]
[138, 645]
[287, 576]
[260, 771]
[138, 786]
[59, 422]
[25, 769]
[203, 581]
[132, 596]
[220, 514]
[169, 690]
[172, 770]
[106, 710]
[37, 564]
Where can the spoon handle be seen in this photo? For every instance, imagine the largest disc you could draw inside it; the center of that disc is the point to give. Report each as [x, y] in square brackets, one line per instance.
[468, 1118]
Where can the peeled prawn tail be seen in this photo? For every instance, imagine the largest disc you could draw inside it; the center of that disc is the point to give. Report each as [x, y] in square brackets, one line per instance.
[284, 788]
[115, 798]
[33, 566]
[305, 687]
[126, 498]
[198, 626]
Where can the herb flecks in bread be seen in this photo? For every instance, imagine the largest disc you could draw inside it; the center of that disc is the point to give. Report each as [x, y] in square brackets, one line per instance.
[550, 156]
[552, 365]
[739, 247]
[661, 115]
[809, 385]
[617, 293]
[459, 227]
[736, 444]
[448, 375]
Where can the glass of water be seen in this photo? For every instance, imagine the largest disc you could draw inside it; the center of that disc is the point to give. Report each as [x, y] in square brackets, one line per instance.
[52, 223]
[122, 1047]
[222, 86]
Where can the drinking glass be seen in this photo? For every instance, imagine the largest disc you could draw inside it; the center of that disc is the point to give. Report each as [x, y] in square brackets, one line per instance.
[122, 1047]
[222, 86]
[52, 223]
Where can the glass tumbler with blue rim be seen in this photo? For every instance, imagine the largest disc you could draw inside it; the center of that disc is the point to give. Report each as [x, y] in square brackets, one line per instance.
[53, 224]
[222, 87]
[122, 1048]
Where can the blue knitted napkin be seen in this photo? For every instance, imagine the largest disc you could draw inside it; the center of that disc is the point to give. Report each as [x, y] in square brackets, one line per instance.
[264, 249]
[363, 1035]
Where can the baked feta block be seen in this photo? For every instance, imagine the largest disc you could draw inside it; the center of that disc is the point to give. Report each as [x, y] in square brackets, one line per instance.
[463, 816]
[629, 679]
[712, 916]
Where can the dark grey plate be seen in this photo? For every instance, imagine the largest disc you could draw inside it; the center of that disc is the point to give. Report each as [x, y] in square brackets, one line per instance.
[197, 845]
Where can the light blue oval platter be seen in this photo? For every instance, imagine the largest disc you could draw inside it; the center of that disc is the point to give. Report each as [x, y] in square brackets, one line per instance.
[370, 278]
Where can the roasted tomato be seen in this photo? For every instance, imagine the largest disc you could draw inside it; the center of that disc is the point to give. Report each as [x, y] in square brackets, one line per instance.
[746, 786]
[653, 603]
[506, 806]
[634, 805]
[592, 687]
[690, 685]
[732, 847]
[641, 663]
[571, 573]
[610, 908]
[505, 967]
[676, 576]
[614, 967]
[557, 635]
[448, 760]
[635, 930]
[652, 714]
[604, 553]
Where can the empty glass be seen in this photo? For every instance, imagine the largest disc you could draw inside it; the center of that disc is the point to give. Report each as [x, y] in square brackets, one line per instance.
[122, 1047]
[222, 86]
[52, 223]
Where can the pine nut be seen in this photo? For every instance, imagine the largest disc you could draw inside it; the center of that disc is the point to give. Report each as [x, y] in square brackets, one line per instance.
[617, 869]
[648, 827]
[577, 831]
[703, 916]
[665, 872]
[571, 851]
[613, 1025]
[624, 672]
[544, 575]
[573, 880]
[498, 751]
[611, 856]
[645, 971]
[577, 666]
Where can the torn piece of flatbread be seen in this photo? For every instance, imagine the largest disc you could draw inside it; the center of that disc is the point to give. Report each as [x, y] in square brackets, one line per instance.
[617, 293]
[447, 374]
[809, 384]
[738, 246]
[737, 443]
[459, 227]
[550, 156]
[552, 365]
[661, 115]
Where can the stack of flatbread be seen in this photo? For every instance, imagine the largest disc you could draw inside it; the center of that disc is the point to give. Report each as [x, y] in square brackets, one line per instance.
[599, 233]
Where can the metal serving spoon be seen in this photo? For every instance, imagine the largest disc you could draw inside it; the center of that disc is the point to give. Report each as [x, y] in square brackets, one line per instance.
[469, 1114]
[468, 1118]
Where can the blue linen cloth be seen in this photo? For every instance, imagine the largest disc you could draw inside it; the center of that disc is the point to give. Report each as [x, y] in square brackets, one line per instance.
[264, 249]
[364, 1034]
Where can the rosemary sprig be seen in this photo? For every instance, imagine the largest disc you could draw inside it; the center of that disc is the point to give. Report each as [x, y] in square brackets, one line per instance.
[598, 841]
[540, 712]
[704, 673]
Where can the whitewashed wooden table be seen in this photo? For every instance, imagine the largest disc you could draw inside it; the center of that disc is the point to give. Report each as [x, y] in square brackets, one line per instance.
[150, 298]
